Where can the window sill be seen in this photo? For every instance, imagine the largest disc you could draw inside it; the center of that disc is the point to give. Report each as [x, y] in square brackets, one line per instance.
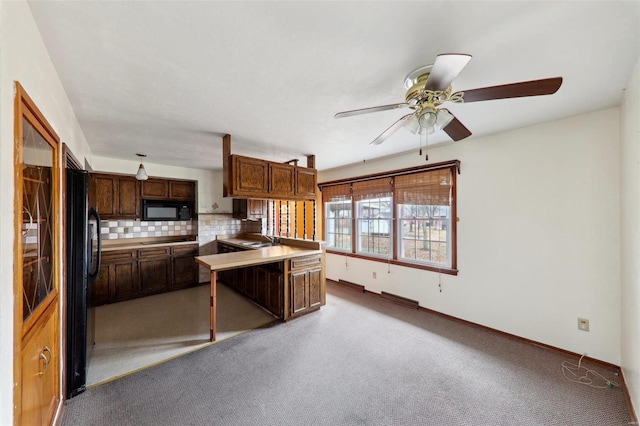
[443, 270]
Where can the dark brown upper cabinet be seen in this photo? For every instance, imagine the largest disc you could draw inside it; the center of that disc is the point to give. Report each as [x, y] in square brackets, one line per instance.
[250, 176]
[166, 189]
[306, 182]
[249, 209]
[246, 177]
[255, 178]
[182, 190]
[281, 180]
[155, 189]
[116, 196]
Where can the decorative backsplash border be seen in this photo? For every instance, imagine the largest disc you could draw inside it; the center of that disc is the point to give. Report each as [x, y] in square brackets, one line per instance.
[207, 227]
[117, 229]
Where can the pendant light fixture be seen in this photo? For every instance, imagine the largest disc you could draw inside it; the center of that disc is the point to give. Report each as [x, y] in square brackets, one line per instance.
[142, 173]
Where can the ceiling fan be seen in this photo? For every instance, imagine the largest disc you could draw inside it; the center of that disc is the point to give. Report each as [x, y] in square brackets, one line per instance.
[429, 86]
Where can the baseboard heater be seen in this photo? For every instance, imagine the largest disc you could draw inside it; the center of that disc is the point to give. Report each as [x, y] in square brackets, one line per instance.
[410, 303]
[352, 285]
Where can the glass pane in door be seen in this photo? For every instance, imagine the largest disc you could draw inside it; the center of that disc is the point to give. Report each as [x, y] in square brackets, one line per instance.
[37, 219]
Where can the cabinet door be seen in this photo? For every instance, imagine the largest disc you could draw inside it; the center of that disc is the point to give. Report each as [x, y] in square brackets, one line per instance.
[99, 289]
[182, 190]
[105, 193]
[281, 180]
[184, 267]
[40, 364]
[306, 182]
[154, 274]
[32, 366]
[257, 208]
[239, 280]
[251, 176]
[250, 287]
[123, 281]
[155, 188]
[240, 208]
[262, 284]
[298, 282]
[117, 280]
[315, 287]
[50, 375]
[128, 197]
[185, 272]
[274, 293]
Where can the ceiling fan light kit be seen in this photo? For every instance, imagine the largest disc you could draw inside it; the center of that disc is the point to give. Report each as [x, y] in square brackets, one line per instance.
[429, 86]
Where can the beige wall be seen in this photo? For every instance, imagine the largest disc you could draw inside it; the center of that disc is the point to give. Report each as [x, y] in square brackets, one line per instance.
[23, 58]
[538, 237]
[630, 236]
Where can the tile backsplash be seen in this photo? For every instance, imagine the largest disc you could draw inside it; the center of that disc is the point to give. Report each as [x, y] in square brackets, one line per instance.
[207, 227]
[210, 225]
[117, 229]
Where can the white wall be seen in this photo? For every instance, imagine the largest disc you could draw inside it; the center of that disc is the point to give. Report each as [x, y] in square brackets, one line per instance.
[630, 235]
[24, 58]
[209, 181]
[538, 237]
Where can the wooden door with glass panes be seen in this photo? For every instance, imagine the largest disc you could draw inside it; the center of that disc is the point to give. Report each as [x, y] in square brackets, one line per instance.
[36, 266]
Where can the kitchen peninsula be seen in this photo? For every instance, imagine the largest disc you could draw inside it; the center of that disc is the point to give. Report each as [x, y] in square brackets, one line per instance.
[287, 278]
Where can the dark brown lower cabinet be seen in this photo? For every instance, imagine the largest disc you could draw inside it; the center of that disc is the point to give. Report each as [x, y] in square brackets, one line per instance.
[299, 293]
[155, 270]
[128, 274]
[265, 284]
[117, 280]
[250, 284]
[305, 285]
[270, 283]
[184, 267]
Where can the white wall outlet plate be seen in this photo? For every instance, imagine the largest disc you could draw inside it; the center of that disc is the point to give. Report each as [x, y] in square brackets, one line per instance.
[583, 324]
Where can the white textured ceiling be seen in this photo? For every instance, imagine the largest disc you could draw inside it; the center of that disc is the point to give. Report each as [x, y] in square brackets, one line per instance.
[170, 78]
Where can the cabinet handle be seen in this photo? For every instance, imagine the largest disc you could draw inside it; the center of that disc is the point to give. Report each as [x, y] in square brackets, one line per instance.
[46, 363]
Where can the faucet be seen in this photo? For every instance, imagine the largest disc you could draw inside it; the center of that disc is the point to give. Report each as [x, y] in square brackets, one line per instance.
[272, 239]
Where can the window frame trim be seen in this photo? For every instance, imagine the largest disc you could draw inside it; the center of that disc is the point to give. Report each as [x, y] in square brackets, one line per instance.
[454, 165]
[324, 225]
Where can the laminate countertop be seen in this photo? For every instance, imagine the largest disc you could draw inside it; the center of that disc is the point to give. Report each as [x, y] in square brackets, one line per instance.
[111, 245]
[259, 256]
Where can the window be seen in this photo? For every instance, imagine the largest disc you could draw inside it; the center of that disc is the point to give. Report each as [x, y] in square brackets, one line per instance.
[424, 217]
[338, 217]
[338, 224]
[374, 216]
[404, 217]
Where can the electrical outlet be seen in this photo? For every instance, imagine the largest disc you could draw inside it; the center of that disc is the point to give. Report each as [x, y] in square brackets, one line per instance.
[375, 276]
[583, 324]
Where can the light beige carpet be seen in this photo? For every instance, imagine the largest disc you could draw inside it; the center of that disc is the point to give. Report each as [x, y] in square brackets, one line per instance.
[142, 332]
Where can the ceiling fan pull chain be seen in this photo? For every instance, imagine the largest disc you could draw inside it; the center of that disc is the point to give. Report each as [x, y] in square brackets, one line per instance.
[426, 146]
[420, 132]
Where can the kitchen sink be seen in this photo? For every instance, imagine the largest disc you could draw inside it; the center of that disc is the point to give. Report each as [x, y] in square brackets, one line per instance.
[256, 244]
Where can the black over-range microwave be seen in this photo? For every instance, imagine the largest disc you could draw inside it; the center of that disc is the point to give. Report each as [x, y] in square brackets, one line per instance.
[166, 210]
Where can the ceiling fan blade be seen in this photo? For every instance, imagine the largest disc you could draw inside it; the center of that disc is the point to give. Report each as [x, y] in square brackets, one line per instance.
[391, 130]
[545, 86]
[368, 110]
[455, 129]
[445, 69]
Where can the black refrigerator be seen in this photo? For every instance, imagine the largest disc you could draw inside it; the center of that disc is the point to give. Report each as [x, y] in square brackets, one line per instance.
[83, 266]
